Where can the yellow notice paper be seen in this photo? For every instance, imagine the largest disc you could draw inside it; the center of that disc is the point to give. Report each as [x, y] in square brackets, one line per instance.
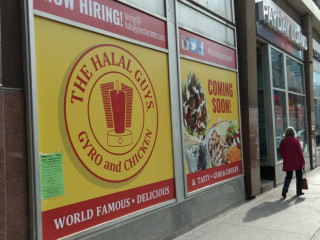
[51, 175]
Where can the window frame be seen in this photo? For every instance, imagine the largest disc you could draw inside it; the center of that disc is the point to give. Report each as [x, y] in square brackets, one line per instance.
[273, 156]
[318, 99]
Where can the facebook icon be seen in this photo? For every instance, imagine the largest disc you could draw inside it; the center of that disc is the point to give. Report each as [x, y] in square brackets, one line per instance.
[200, 48]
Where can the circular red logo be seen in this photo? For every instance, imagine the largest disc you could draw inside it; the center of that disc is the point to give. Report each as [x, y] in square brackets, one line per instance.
[111, 113]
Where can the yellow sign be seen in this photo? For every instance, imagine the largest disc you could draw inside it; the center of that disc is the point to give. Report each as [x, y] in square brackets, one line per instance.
[111, 113]
[219, 89]
[211, 123]
[83, 79]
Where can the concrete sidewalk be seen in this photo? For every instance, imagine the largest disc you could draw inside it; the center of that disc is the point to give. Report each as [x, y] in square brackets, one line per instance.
[268, 216]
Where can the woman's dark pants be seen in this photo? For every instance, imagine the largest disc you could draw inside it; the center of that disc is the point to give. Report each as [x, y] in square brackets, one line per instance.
[288, 178]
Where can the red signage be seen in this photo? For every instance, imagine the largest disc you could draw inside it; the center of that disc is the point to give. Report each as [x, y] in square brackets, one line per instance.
[278, 115]
[110, 16]
[300, 111]
[214, 175]
[203, 49]
[73, 218]
[110, 93]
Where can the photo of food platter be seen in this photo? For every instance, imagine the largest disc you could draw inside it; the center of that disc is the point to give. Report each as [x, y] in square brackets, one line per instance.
[206, 145]
[210, 111]
[223, 142]
[195, 113]
[195, 120]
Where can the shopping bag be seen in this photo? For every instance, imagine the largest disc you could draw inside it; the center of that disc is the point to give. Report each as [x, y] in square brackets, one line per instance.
[304, 183]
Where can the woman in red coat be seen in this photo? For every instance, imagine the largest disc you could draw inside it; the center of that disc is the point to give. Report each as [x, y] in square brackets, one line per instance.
[293, 160]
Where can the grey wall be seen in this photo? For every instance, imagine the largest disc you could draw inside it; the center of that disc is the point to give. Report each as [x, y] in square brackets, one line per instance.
[13, 158]
[173, 220]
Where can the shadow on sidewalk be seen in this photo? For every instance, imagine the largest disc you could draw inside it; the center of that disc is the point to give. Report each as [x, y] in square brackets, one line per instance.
[266, 209]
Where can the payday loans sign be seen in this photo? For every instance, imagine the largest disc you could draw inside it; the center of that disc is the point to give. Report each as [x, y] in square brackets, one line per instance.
[273, 16]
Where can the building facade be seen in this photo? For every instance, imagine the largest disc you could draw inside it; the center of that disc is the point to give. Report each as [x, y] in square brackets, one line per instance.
[138, 119]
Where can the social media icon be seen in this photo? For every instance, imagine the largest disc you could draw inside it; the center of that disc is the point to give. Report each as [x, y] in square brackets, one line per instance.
[193, 45]
[185, 43]
[201, 48]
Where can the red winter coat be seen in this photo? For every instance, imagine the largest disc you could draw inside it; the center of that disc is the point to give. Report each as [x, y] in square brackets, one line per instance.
[291, 152]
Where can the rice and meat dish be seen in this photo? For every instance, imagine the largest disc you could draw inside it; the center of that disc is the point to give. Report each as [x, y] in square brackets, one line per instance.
[195, 120]
[224, 143]
[195, 116]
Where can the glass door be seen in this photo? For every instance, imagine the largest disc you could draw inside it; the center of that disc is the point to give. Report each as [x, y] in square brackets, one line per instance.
[261, 111]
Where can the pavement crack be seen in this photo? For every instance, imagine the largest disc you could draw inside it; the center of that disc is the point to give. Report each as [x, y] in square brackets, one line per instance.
[314, 236]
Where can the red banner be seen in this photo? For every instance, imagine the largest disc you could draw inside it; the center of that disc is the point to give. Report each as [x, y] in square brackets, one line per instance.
[110, 16]
[213, 175]
[278, 115]
[300, 111]
[203, 49]
[63, 221]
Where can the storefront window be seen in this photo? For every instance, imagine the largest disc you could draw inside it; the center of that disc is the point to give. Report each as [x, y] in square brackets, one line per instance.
[289, 102]
[277, 69]
[317, 121]
[316, 86]
[262, 115]
[294, 76]
[221, 7]
[280, 117]
[157, 7]
[298, 118]
[187, 16]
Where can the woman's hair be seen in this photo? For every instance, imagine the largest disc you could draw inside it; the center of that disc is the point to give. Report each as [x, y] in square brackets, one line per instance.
[290, 132]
